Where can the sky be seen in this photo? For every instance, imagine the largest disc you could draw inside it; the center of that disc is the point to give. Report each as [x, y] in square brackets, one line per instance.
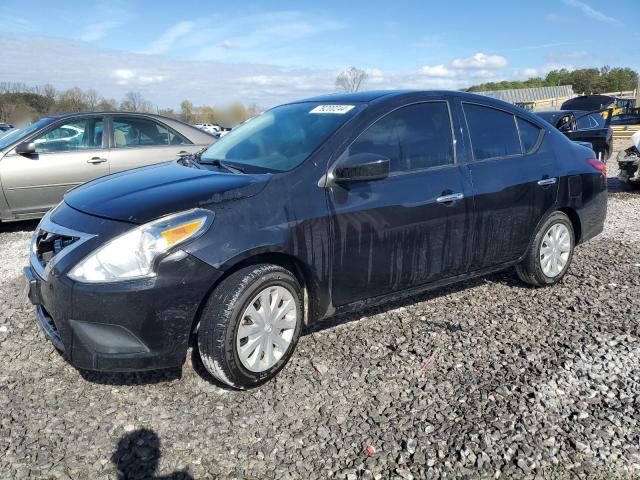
[271, 52]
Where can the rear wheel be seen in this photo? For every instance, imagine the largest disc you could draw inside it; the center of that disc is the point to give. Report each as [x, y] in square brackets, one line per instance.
[250, 325]
[550, 254]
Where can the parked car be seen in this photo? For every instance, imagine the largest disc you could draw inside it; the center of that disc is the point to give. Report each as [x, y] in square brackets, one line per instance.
[311, 209]
[626, 119]
[40, 162]
[629, 163]
[584, 127]
[5, 126]
[211, 128]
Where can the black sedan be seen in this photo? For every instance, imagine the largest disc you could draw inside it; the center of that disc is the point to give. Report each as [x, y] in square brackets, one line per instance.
[583, 126]
[311, 209]
[626, 119]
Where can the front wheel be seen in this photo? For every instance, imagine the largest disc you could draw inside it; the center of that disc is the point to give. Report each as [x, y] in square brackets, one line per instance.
[551, 252]
[250, 325]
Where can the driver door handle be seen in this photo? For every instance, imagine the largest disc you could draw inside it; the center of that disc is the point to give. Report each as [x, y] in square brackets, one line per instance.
[450, 198]
[547, 181]
[96, 160]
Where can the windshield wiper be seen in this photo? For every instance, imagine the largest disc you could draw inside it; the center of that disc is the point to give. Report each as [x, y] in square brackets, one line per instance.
[216, 162]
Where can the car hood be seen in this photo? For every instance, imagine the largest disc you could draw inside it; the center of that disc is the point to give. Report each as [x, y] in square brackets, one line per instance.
[146, 193]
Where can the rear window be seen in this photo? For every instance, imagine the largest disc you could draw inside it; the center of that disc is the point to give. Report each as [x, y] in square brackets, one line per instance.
[493, 132]
[529, 134]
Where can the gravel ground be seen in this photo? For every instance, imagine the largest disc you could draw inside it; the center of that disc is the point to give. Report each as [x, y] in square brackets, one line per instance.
[486, 378]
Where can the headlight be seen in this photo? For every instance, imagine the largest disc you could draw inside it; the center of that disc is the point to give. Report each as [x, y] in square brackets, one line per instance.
[133, 254]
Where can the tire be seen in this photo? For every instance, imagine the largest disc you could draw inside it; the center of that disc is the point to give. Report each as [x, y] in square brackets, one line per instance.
[234, 308]
[531, 269]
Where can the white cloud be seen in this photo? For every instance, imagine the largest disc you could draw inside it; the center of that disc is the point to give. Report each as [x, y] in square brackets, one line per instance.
[430, 41]
[256, 37]
[482, 74]
[374, 76]
[591, 12]
[99, 30]
[125, 76]
[556, 18]
[437, 71]
[561, 56]
[169, 37]
[480, 60]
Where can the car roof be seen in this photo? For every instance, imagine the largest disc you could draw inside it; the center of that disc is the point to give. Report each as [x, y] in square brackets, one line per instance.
[107, 112]
[365, 96]
[374, 95]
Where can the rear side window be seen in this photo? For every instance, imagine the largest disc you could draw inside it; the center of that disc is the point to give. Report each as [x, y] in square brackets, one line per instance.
[493, 132]
[529, 134]
[135, 132]
[413, 137]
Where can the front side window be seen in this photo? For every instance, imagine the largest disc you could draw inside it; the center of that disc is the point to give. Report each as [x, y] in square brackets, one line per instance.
[80, 134]
[282, 138]
[413, 137]
[493, 132]
[143, 132]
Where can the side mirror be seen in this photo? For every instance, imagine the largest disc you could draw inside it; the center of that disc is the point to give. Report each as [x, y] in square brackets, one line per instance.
[362, 167]
[26, 148]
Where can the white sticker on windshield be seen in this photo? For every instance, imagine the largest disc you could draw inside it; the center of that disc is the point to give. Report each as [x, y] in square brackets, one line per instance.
[339, 109]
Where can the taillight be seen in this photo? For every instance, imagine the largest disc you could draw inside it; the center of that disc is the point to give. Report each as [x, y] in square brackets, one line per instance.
[598, 165]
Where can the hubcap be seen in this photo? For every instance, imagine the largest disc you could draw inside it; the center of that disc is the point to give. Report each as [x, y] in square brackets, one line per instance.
[555, 250]
[266, 328]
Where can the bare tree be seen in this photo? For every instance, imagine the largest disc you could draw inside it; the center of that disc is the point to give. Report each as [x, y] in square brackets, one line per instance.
[92, 99]
[351, 79]
[135, 102]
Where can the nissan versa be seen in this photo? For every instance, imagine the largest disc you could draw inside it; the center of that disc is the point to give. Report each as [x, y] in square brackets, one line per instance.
[311, 209]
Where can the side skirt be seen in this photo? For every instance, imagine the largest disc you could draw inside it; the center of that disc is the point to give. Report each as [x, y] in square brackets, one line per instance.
[375, 301]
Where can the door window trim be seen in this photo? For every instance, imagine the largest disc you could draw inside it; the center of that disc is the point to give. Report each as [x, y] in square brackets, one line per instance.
[444, 100]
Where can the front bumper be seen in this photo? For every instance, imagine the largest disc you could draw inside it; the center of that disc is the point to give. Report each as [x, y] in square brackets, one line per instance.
[135, 325]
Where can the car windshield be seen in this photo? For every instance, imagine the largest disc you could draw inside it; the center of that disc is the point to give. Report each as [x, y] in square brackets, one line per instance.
[18, 134]
[280, 139]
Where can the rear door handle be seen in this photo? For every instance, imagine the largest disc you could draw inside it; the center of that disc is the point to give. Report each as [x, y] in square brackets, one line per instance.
[96, 160]
[452, 197]
[547, 181]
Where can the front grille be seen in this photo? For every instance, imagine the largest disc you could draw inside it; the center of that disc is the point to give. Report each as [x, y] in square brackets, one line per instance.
[48, 245]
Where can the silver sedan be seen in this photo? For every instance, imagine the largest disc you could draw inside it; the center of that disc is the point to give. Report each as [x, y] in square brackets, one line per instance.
[40, 162]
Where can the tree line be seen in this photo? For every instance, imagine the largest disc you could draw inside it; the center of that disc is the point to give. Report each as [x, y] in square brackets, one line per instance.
[583, 81]
[20, 102]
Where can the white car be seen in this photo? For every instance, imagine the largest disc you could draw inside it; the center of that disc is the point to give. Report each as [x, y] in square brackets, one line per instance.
[211, 128]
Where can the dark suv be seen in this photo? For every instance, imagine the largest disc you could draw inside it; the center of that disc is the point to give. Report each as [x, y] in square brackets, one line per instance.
[311, 209]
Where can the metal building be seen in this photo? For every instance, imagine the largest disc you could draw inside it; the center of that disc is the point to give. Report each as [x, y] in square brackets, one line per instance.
[539, 98]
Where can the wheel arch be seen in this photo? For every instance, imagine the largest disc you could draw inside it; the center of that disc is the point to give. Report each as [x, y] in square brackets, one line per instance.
[575, 222]
[307, 279]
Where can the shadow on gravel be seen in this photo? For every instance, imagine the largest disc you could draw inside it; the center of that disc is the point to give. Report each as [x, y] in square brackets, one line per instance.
[23, 226]
[132, 378]
[137, 456]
